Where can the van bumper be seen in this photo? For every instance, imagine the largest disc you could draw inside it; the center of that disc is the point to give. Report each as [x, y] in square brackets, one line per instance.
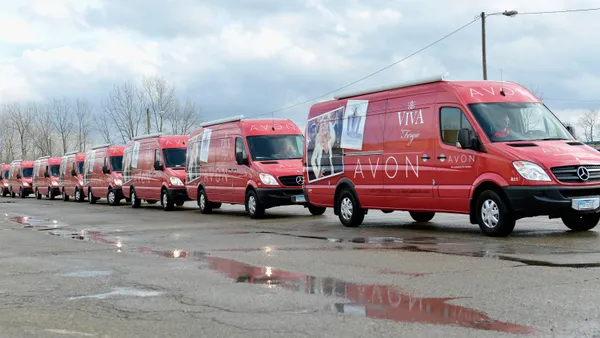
[270, 198]
[178, 193]
[552, 201]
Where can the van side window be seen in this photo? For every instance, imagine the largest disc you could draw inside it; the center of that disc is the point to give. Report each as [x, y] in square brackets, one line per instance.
[451, 121]
[239, 147]
[157, 156]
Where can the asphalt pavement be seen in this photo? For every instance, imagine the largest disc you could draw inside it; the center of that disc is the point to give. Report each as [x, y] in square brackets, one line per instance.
[71, 269]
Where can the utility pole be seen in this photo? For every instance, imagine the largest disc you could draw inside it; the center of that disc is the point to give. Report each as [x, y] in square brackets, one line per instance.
[483, 47]
[148, 119]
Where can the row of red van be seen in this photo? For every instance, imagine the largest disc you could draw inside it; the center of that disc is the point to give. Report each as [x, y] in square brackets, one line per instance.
[489, 150]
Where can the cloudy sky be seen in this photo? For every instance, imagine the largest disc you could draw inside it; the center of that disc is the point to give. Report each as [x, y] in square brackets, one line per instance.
[254, 56]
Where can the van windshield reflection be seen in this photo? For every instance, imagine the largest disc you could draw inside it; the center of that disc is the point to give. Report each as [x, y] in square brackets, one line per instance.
[116, 163]
[175, 157]
[275, 147]
[27, 172]
[518, 121]
[54, 170]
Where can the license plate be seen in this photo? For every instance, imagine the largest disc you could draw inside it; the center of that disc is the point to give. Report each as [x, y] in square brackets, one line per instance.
[586, 203]
[299, 199]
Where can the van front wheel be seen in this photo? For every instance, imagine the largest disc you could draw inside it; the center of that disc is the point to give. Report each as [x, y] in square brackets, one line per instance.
[581, 222]
[253, 206]
[166, 200]
[350, 213]
[422, 217]
[135, 202]
[316, 211]
[493, 215]
[203, 203]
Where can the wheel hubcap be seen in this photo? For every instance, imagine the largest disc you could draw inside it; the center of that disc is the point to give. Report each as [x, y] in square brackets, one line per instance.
[252, 204]
[77, 195]
[490, 214]
[111, 196]
[346, 208]
[133, 198]
[202, 201]
[164, 199]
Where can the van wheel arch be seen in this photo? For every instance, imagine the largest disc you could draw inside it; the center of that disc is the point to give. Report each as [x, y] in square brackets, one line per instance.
[487, 185]
[342, 185]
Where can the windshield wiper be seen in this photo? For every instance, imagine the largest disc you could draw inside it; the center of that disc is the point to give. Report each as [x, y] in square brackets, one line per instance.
[553, 139]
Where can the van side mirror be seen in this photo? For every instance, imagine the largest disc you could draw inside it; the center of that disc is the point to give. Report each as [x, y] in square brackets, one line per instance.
[105, 170]
[239, 158]
[19, 176]
[571, 130]
[46, 175]
[465, 140]
[73, 172]
[157, 165]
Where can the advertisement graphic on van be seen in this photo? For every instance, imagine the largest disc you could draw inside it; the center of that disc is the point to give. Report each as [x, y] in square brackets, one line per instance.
[490, 150]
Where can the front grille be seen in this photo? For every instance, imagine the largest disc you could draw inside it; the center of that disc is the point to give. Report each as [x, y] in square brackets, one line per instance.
[289, 181]
[568, 174]
[576, 193]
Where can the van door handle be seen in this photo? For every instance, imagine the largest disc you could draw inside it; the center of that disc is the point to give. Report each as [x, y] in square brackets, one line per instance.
[442, 157]
[425, 157]
[229, 169]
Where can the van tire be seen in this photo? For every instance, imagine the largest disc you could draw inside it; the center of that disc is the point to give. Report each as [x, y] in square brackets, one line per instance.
[51, 193]
[581, 222]
[203, 203]
[12, 194]
[498, 222]
[253, 207]
[21, 193]
[151, 202]
[350, 213]
[316, 211]
[37, 194]
[166, 200]
[65, 196]
[91, 198]
[422, 217]
[78, 195]
[216, 205]
[135, 202]
[111, 197]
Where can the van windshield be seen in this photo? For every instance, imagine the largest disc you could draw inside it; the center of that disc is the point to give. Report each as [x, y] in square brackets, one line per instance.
[275, 147]
[80, 167]
[175, 157]
[27, 172]
[518, 121]
[54, 170]
[5, 174]
[116, 163]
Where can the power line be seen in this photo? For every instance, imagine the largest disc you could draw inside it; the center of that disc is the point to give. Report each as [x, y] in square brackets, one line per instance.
[376, 72]
[419, 51]
[561, 11]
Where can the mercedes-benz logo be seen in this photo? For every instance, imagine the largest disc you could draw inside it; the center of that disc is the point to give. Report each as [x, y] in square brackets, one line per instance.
[583, 173]
[300, 180]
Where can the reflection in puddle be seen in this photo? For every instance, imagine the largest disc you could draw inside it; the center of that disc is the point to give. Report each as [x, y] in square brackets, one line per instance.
[86, 274]
[372, 301]
[121, 292]
[34, 222]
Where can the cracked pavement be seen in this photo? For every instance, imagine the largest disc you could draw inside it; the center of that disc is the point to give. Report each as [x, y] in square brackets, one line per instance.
[80, 270]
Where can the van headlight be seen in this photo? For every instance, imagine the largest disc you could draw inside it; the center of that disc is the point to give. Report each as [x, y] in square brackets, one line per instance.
[268, 179]
[175, 181]
[118, 181]
[54, 184]
[25, 184]
[531, 171]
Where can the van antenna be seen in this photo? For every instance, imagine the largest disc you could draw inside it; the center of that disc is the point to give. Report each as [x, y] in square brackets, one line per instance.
[501, 84]
[273, 121]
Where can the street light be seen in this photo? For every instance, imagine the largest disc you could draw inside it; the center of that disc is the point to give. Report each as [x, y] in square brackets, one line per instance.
[483, 47]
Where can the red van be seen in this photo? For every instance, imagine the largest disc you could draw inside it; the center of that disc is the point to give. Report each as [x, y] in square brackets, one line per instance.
[20, 178]
[257, 163]
[71, 176]
[154, 169]
[46, 172]
[490, 150]
[102, 173]
[4, 171]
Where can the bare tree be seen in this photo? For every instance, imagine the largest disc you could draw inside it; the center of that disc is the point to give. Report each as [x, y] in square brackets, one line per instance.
[160, 98]
[7, 135]
[184, 118]
[104, 127]
[43, 130]
[83, 115]
[21, 120]
[62, 119]
[589, 122]
[124, 108]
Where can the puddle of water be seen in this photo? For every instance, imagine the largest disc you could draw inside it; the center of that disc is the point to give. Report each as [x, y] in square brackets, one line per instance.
[40, 223]
[372, 301]
[86, 274]
[121, 292]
